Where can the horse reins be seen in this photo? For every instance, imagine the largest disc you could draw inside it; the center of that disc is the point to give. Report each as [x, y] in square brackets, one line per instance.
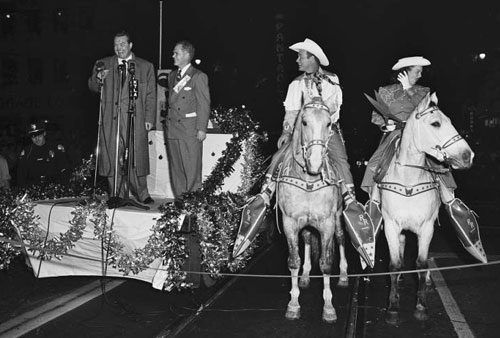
[409, 191]
[316, 142]
[438, 148]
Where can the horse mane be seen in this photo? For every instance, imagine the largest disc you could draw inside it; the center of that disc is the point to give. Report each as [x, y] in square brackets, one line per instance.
[292, 151]
[296, 146]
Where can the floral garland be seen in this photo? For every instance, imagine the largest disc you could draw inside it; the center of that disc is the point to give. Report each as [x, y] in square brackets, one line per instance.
[17, 217]
[217, 214]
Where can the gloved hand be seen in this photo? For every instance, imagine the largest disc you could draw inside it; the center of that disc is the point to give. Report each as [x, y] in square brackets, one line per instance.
[390, 126]
[284, 139]
[405, 81]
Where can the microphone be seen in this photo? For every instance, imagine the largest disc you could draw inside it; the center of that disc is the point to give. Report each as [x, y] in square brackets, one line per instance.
[99, 66]
[121, 68]
[100, 71]
[133, 89]
[131, 67]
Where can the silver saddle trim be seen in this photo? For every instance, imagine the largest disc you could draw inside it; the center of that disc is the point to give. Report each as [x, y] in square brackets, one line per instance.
[408, 190]
[306, 186]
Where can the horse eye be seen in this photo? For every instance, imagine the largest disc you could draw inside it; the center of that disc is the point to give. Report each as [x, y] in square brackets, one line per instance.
[304, 123]
[436, 124]
[329, 124]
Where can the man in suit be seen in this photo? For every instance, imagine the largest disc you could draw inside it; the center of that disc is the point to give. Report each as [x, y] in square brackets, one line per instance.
[185, 129]
[113, 76]
[187, 120]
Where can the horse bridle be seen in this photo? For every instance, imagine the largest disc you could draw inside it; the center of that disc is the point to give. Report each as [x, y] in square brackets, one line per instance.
[439, 148]
[315, 142]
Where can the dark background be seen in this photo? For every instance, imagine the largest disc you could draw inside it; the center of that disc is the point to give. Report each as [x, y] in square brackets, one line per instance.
[48, 48]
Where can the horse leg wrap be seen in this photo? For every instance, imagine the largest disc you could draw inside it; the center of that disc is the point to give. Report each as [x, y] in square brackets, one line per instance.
[465, 224]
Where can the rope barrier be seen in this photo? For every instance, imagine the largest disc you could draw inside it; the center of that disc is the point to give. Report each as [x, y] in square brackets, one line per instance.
[228, 274]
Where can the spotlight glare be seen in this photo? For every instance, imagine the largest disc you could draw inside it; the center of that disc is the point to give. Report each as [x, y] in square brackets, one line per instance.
[482, 56]
[197, 61]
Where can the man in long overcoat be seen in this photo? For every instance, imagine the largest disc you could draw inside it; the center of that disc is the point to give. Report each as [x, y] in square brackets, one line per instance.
[113, 77]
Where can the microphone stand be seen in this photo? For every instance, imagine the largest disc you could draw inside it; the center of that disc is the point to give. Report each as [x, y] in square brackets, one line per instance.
[99, 126]
[116, 201]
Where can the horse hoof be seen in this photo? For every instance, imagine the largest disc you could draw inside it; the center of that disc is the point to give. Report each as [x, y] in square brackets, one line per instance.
[421, 314]
[343, 282]
[392, 318]
[304, 283]
[292, 313]
[329, 316]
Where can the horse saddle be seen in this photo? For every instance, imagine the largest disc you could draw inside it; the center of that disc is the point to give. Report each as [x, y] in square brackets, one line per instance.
[387, 156]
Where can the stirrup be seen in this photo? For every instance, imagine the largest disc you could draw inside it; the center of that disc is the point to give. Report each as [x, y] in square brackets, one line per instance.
[251, 219]
[361, 230]
[465, 224]
[372, 207]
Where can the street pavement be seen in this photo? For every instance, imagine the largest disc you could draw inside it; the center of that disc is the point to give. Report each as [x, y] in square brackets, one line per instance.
[255, 307]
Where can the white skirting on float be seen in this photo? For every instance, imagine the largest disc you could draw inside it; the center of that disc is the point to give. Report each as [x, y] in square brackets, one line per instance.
[132, 225]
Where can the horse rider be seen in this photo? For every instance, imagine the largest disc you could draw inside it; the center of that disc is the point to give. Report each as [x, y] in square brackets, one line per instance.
[401, 99]
[313, 83]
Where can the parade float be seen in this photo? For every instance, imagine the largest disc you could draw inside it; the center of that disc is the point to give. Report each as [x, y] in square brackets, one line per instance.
[65, 227]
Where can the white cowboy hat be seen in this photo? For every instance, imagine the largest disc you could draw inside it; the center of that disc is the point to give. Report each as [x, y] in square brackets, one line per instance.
[411, 61]
[313, 48]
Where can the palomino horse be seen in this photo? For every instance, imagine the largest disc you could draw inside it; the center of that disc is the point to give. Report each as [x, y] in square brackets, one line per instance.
[310, 202]
[410, 196]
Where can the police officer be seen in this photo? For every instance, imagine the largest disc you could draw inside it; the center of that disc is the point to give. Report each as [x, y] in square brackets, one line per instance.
[41, 160]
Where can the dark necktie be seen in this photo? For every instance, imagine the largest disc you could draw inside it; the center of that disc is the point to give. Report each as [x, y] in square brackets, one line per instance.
[178, 76]
[317, 78]
[124, 75]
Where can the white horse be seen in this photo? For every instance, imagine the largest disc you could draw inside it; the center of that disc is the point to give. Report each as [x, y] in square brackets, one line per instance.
[410, 194]
[309, 201]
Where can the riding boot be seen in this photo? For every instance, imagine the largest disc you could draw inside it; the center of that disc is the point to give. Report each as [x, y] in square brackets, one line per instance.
[359, 225]
[372, 206]
[252, 216]
[464, 223]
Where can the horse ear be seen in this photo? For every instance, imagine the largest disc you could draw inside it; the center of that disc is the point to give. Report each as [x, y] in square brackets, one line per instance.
[424, 104]
[434, 98]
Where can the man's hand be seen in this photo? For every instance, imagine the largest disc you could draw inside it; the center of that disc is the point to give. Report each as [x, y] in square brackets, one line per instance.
[284, 139]
[201, 135]
[148, 125]
[102, 74]
[405, 81]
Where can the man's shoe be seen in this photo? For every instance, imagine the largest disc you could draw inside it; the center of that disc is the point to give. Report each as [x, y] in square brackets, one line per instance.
[148, 200]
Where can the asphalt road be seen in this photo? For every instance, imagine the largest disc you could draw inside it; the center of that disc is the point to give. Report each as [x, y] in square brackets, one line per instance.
[255, 307]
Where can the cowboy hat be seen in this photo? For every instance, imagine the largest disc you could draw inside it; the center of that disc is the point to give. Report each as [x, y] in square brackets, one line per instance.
[312, 47]
[411, 61]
